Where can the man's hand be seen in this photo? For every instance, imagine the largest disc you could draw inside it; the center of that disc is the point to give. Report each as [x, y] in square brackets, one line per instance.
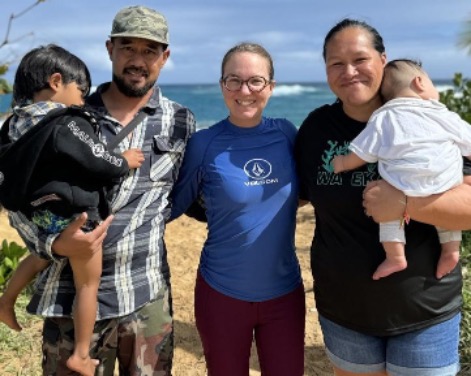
[134, 157]
[73, 241]
[383, 202]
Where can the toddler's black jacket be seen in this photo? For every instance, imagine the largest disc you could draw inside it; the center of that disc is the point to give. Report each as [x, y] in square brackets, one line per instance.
[59, 164]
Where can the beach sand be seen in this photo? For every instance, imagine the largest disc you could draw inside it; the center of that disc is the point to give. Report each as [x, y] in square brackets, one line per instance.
[184, 238]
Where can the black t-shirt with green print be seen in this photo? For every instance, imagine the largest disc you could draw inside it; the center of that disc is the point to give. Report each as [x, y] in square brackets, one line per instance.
[346, 249]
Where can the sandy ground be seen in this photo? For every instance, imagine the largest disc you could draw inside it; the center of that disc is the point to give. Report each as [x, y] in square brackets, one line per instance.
[184, 239]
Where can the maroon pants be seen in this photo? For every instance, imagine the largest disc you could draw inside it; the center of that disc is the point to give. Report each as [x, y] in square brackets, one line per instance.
[227, 327]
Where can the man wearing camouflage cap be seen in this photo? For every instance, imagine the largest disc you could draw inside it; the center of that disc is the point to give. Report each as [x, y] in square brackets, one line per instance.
[134, 319]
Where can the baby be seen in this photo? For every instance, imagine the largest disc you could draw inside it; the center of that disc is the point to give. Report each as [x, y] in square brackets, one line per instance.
[419, 146]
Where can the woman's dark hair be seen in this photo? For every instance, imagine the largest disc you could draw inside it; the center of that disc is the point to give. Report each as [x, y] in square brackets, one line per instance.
[346, 23]
[37, 66]
[249, 47]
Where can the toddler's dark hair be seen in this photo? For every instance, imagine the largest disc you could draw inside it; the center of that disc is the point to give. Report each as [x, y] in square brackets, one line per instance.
[37, 66]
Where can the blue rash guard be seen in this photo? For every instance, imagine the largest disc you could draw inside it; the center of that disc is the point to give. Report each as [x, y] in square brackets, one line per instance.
[247, 179]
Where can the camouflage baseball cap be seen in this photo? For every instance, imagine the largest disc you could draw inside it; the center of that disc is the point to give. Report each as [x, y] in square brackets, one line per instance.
[140, 22]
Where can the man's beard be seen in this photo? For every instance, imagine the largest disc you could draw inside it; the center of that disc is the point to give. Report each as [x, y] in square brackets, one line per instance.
[131, 91]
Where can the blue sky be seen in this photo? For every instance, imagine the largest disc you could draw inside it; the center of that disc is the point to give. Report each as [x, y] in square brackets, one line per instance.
[202, 30]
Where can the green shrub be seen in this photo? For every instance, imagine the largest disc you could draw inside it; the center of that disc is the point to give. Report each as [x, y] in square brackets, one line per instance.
[465, 337]
[458, 99]
[10, 256]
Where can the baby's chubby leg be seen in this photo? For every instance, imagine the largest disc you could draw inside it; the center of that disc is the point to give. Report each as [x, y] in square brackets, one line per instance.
[449, 257]
[395, 260]
[450, 254]
[391, 235]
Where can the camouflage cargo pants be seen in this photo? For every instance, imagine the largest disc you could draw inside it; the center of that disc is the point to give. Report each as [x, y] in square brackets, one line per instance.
[141, 342]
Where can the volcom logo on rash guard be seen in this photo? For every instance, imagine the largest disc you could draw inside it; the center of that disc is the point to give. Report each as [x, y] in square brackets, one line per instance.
[259, 170]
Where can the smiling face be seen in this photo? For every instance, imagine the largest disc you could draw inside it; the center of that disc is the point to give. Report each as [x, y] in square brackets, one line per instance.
[354, 71]
[136, 64]
[246, 107]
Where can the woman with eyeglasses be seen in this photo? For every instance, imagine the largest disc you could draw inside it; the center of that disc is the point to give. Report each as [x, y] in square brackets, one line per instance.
[249, 282]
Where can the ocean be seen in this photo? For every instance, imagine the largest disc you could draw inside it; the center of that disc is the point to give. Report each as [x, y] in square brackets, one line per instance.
[293, 101]
[290, 101]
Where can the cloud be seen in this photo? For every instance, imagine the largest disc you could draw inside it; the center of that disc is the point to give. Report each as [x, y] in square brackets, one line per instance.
[292, 30]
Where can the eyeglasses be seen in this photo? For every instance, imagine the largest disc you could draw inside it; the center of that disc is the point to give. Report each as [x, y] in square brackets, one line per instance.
[255, 83]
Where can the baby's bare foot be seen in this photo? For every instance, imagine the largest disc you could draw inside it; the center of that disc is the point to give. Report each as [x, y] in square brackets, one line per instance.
[8, 316]
[448, 260]
[388, 267]
[84, 366]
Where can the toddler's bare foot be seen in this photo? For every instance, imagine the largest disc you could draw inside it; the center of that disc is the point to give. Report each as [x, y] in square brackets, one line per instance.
[8, 316]
[388, 267]
[85, 366]
[448, 259]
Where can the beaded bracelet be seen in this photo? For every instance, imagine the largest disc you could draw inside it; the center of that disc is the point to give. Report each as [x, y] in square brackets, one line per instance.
[405, 216]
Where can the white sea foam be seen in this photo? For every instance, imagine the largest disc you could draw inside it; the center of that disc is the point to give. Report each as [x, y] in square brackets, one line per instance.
[441, 88]
[296, 89]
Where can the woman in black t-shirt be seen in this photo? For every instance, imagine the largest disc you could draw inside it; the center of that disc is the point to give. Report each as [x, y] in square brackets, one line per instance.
[407, 323]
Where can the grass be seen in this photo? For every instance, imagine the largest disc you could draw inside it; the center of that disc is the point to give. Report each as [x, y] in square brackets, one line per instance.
[20, 352]
[465, 335]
